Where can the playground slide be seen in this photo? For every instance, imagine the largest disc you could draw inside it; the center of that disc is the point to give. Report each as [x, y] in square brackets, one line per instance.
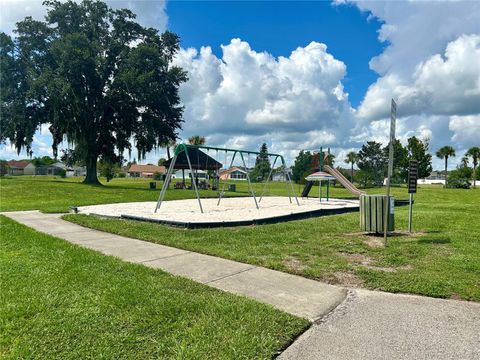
[307, 188]
[343, 180]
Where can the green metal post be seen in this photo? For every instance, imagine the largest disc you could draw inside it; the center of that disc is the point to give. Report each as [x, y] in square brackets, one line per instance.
[320, 160]
[328, 181]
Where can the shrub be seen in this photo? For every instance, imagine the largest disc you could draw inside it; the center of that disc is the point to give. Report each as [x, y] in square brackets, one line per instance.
[460, 178]
[157, 176]
[121, 175]
[63, 173]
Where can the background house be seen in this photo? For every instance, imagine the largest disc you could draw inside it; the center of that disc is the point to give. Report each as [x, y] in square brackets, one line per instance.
[54, 169]
[234, 173]
[16, 167]
[200, 174]
[280, 176]
[435, 177]
[145, 171]
[29, 169]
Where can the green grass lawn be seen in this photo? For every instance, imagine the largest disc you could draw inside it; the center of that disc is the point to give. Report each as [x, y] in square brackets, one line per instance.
[58, 195]
[60, 301]
[442, 259]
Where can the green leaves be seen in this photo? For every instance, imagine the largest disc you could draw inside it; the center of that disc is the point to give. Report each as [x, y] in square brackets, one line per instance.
[96, 76]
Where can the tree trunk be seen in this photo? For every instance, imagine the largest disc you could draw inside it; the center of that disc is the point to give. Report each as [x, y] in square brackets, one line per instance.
[351, 174]
[91, 177]
[168, 152]
[474, 174]
[446, 166]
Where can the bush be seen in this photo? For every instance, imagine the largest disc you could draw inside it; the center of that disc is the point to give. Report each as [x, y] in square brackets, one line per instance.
[157, 176]
[121, 175]
[62, 173]
[460, 178]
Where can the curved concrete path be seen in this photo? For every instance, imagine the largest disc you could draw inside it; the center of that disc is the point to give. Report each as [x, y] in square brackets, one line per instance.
[294, 294]
[378, 325]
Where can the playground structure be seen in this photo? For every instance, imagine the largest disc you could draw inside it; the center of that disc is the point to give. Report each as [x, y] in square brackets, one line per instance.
[323, 170]
[226, 210]
[232, 211]
[182, 159]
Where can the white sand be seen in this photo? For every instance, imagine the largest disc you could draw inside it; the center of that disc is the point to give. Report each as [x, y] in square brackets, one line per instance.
[230, 209]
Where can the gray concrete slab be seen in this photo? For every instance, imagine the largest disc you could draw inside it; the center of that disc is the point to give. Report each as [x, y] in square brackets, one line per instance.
[294, 294]
[376, 325]
[199, 267]
[83, 236]
[143, 253]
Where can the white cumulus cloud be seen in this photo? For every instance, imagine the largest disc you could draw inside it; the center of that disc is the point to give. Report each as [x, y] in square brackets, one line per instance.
[288, 102]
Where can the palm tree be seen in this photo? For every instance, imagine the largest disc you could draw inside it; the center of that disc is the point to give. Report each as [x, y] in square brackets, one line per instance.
[169, 144]
[196, 140]
[351, 158]
[474, 153]
[444, 153]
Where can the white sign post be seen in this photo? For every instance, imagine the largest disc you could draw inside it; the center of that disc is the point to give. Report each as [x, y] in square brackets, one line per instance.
[393, 120]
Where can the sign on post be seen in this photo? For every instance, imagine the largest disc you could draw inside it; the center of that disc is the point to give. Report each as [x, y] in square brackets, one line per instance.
[412, 176]
[412, 188]
[393, 120]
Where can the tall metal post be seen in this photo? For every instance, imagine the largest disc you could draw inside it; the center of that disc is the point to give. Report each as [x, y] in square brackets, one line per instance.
[193, 180]
[289, 179]
[166, 182]
[285, 172]
[320, 191]
[410, 213]
[393, 119]
[268, 179]
[224, 183]
[248, 179]
[328, 181]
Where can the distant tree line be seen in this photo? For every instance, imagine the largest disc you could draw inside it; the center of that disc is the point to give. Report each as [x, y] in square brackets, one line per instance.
[372, 162]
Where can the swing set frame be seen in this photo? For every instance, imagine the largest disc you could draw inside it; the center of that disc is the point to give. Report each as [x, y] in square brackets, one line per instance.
[186, 147]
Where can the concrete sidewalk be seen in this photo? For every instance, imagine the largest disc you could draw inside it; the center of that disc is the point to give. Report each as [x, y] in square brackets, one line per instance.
[294, 294]
[377, 325]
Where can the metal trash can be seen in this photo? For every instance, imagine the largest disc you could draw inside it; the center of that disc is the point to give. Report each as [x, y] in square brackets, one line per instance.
[153, 185]
[372, 213]
[232, 187]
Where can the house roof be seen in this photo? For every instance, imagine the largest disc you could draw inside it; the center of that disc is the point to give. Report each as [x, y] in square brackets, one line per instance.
[147, 168]
[232, 169]
[198, 159]
[17, 164]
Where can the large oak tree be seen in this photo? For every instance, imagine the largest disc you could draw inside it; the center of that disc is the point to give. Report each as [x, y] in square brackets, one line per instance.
[98, 78]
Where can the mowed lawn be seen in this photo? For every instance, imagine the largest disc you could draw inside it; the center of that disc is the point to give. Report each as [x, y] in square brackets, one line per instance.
[441, 259]
[61, 301]
[50, 194]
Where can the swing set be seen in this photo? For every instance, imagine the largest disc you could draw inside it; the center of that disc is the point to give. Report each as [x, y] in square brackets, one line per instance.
[183, 152]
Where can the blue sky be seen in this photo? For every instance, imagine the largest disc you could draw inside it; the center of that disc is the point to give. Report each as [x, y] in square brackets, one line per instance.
[281, 27]
[300, 75]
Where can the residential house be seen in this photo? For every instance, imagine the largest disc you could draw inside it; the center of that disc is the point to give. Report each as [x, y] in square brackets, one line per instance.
[200, 174]
[435, 177]
[145, 171]
[76, 171]
[281, 176]
[16, 167]
[29, 169]
[54, 169]
[234, 173]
